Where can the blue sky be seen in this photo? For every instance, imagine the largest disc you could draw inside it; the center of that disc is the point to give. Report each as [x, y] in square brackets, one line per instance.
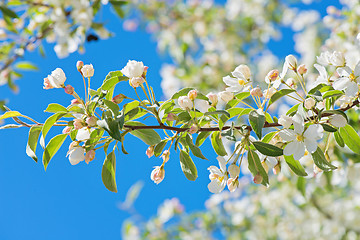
[70, 202]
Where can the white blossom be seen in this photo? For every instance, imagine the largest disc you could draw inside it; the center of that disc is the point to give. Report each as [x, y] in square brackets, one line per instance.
[87, 70]
[185, 102]
[133, 69]
[218, 176]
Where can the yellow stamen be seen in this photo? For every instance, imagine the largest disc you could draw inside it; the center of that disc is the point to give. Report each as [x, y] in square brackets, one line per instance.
[300, 138]
[241, 82]
[352, 77]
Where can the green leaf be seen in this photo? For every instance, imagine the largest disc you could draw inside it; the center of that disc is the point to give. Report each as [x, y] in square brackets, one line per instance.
[201, 138]
[194, 149]
[8, 12]
[295, 166]
[47, 125]
[218, 112]
[114, 108]
[293, 110]
[320, 160]
[26, 66]
[148, 136]
[218, 144]
[339, 139]
[54, 108]
[160, 147]
[328, 128]
[301, 185]
[268, 149]
[10, 114]
[242, 95]
[108, 172]
[333, 93]
[52, 147]
[34, 133]
[185, 91]
[187, 166]
[279, 94]
[267, 138]
[257, 122]
[256, 167]
[351, 138]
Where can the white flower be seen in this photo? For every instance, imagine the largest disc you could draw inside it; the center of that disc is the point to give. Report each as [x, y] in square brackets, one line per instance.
[226, 96]
[285, 121]
[213, 98]
[218, 176]
[133, 69]
[348, 80]
[87, 70]
[298, 139]
[323, 77]
[136, 81]
[337, 59]
[309, 103]
[185, 102]
[344, 101]
[83, 134]
[324, 58]
[240, 82]
[291, 62]
[234, 170]
[337, 120]
[76, 154]
[55, 80]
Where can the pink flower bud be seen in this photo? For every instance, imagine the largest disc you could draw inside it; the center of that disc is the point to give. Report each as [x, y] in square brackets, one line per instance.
[302, 69]
[158, 174]
[171, 117]
[145, 71]
[273, 75]
[258, 178]
[66, 130]
[79, 65]
[90, 155]
[91, 121]
[192, 95]
[78, 124]
[75, 101]
[118, 98]
[69, 89]
[256, 92]
[309, 103]
[150, 151]
[193, 129]
[166, 155]
[213, 99]
[136, 81]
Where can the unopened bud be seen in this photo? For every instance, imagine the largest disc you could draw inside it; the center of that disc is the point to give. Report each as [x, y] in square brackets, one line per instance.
[277, 168]
[90, 155]
[79, 65]
[302, 69]
[136, 81]
[256, 92]
[145, 71]
[118, 98]
[193, 129]
[213, 99]
[66, 130]
[290, 82]
[232, 184]
[69, 89]
[291, 62]
[192, 95]
[273, 75]
[75, 101]
[91, 121]
[78, 124]
[150, 151]
[265, 166]
[171, 117]
[158, 174]
[166, 155]
[258, 178]
[309, 103]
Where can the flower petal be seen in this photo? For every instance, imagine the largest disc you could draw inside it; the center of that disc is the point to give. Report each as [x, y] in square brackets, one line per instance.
[311, 145]
[341, 83]
[298, 122]
[287, 135]
[351, 89]
[215, 186]
[315, 132]
[299, 150]
[222, 164]
[230, 81]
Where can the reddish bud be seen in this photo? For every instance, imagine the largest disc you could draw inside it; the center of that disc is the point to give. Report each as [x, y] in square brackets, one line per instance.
[118, 98]
[258, 179]
[90, 155]
[69, 89]
[79, 65]
[91, 121]
[150, 151]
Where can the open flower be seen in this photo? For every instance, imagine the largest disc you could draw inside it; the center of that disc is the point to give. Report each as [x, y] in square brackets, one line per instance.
[185, 102]
[76, 153]
[348, 80]
[298, 139]
[218, 176]
[240, 80]
[55, 80]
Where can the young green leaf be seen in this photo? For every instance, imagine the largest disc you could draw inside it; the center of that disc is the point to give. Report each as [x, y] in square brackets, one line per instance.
[34, 133]
[160, 147]
[339, 139]
[52, 147]
[257, 122]
[194, 149]
[320, 160]
[295, 166]
[148, 136]
[187, 166]
[328, 128]
[201, 138]
[108, 172]
[218, 144]
[47, 125]
[55, 108]
[268, 149]
[333, 93]
[351, 138]
[256, 167]
[280, 94]
[10, 114]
